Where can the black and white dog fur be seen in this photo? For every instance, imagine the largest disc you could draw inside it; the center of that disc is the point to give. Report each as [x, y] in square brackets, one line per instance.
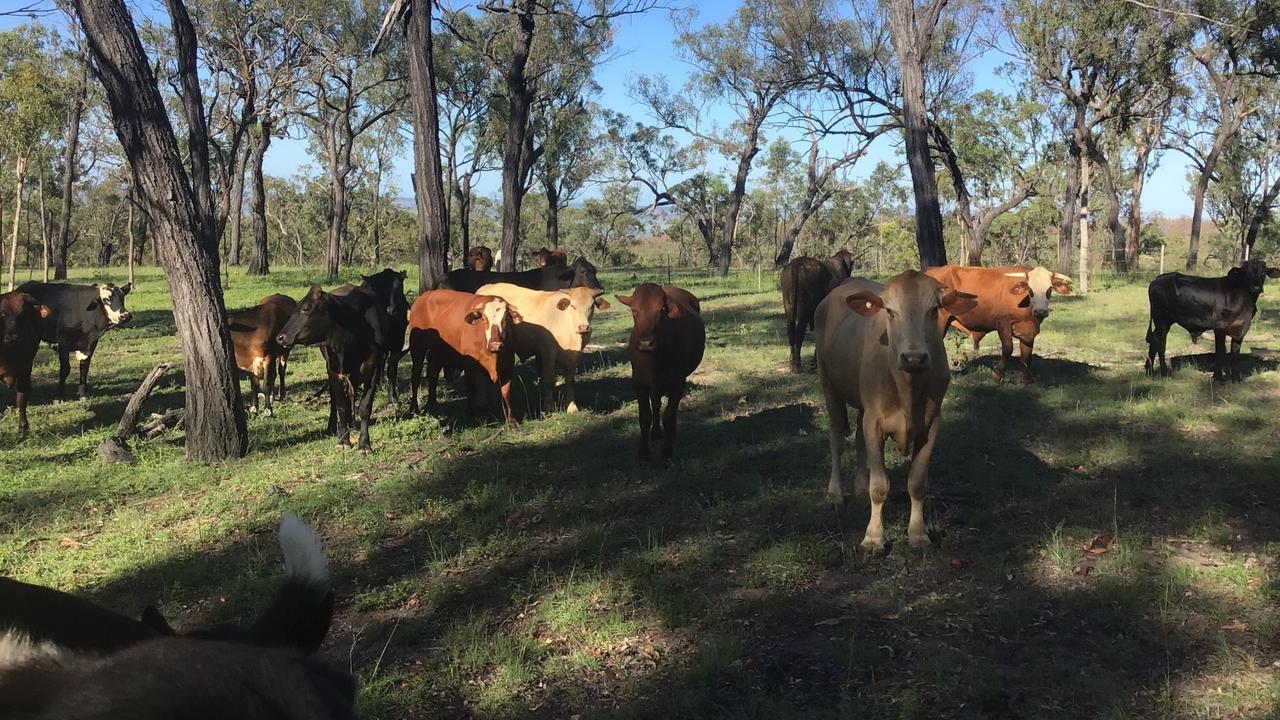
[144, 671]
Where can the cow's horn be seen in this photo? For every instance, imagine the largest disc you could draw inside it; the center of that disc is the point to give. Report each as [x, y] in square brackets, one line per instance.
[1016, 275]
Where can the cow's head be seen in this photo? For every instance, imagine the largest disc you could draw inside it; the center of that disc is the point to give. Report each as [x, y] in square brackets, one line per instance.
[1036, 286]
[494, 317]
[841, 263]
[580, 273]
[480, 259]
[111, 300]
[575, 310]
[649, 310]
[912, 303]
[20, 316]
[388, 283]
[310, 322]
[1252, 274]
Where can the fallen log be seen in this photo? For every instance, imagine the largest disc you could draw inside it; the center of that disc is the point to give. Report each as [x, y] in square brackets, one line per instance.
[116, 448]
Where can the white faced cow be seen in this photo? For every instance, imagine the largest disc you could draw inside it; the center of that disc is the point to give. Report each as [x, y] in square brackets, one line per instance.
[880, 350]
[555, 327]
[81, 314]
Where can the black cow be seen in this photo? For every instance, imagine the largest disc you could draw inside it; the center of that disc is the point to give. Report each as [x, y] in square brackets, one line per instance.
[388, 286]
[1225, 305]
[21, 318]
[580, 273]
[805, 282]
[80, 315]
[350, 326]
[67, 658]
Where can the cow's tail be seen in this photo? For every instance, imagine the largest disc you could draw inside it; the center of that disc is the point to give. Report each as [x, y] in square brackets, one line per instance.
[302, 609]
[1151, 328]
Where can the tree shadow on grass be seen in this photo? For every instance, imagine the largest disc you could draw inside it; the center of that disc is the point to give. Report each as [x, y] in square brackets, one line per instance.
[1248, 363]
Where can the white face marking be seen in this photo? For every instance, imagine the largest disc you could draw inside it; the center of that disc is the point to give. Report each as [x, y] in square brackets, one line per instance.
[113, 309]
[1040, 280]
[493, 312]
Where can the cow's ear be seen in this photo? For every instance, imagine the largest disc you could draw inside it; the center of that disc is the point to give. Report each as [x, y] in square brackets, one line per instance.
[1020, 289]
[1233, 272]
[865, 303]
[127, 287]
[956, 302]
[601, 303]
[673, 310]
[624, 299]
[315, 292]
[473, 317]
[1061, 288]
[564, 304]
[567, 274]
[152, 618]
[94, 304]
[44, 311]
[516, 317]
[1273, 273]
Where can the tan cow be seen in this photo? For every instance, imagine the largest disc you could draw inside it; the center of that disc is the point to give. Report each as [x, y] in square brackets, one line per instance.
[880, 350]
[555, 326]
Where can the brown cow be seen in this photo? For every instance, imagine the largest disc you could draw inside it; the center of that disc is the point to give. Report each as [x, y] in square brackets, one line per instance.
[21, 319]
[1012, 302]
[805, 281]
[551, 258]
[451, 329]
[880, 350]
[258, 353]
[479, 258]
[666, 345]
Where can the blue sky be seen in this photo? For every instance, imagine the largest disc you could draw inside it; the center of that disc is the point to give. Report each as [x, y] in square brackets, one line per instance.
[644, 45]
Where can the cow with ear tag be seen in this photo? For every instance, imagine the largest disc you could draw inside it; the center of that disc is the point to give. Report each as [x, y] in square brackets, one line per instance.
[880, 351]
[21, 319]
[666, 346]
[463, 331]
[1013, 301]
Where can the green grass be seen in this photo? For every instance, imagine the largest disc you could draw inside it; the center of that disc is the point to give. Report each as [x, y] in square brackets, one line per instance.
[543, 572]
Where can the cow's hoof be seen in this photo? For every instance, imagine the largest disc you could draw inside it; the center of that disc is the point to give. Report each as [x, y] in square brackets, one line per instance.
[366, 448]
[998, 377]
[571, 408]
[836, 500]
[919, 542]
[875, 546]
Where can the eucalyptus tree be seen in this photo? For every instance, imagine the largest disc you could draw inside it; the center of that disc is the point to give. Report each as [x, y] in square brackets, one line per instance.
[470, 135]
[1104, 86]
[31, 104]
[523, 45]
[734, 63]
[1246, 190]
[348, 95]
[214, 416]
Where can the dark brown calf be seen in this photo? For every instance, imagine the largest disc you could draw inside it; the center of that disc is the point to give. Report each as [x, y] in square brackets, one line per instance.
[479, 258]
[451, 329]
[20, 326]
[552, 258]
[805, 282]
[258, 353]
[666, 345]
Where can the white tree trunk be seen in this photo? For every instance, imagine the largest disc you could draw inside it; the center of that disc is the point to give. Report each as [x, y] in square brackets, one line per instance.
[1084, 226]
[19, 171]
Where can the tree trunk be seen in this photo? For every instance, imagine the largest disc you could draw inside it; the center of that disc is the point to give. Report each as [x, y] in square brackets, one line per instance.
[70, 157]
[1119, 260]
[44, 228]
[377, 214]
[20, 174]
[1084, 227]
[553, 217]
[739, 190]
[259, 263]
[464, 213]
[428, 186]
[215, 418]
[1133, 244]
[237, 208]
[1261, 212]
[519, 100]
[915, 121]
[1070, 207]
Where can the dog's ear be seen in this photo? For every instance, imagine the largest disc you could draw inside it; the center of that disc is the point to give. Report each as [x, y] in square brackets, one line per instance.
[152, 618]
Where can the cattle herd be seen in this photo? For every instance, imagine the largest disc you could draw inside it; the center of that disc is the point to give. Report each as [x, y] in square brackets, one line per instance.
[878, 349]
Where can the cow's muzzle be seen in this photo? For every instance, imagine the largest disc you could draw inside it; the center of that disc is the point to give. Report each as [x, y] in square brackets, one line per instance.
[284, 340]
[913, 362]
[125, 317]
[646, 345]
[495, 346]
[1040, 314]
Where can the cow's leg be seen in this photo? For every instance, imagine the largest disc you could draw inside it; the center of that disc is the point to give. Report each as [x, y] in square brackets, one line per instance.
[332, 427]
[646, 419]
[838, 417]
[1006, 352]
[1219, 355]
[873, 442]
[655, 402]
[862, 476]
[1027, 348]
[669, 423]
[917, 485]
[20, 390]
[547, 383]
[504, 391]
[393, 371]
[977, 340]
[272, 371]
[283, 362]
[795, 337]
[83, 389]
[571, 405]
[366, 409]
[1235, 359]
[346, 394]
[415, 376]
[1156, 338]
[433, 381]
[64, 369]
[255, 386]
